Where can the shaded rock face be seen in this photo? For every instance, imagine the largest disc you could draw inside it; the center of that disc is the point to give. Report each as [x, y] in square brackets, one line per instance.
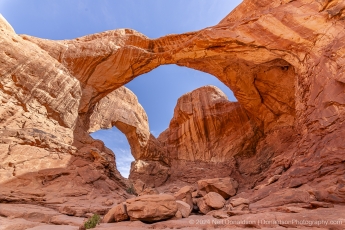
[153, 173]
[284, 61]
[226, 187]
[121, 108]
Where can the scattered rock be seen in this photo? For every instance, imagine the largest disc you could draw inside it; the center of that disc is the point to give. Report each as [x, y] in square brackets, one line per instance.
[214, 200]
[226, 187]
[185, 194]
[184, 208]
[182, 193]
[202, 206]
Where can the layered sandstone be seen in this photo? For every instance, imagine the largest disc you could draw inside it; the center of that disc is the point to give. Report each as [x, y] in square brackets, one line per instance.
[122, 109]
[46, 154]
[284, 61]
[205, 138]
[207, 127]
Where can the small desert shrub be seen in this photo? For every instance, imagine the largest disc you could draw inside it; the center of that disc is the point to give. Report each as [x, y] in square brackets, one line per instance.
[131, 190]
[92, 221]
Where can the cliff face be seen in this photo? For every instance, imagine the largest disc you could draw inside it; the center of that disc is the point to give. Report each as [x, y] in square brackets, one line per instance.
[284, 61]
[207, 127]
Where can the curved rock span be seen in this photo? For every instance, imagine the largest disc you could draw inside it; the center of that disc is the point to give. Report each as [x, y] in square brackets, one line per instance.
[284, 61]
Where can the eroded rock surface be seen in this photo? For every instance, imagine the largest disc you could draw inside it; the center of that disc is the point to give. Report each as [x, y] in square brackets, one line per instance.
[207, 127]
[151, 208]
[284, 61]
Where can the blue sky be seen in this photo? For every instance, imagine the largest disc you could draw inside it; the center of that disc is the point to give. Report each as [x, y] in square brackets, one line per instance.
[158, 90]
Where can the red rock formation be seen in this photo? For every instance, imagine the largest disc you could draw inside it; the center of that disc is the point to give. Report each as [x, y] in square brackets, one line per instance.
[207, 127]
[205, 137]
[284, 61]
[46, 154]
[121, 108]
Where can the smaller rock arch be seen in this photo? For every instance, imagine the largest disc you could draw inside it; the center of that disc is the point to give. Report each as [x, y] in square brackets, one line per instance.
[122, 109]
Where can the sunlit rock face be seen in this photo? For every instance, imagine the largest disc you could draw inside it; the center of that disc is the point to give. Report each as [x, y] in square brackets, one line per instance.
[284, 61]
[39, 108]
[46, 154]
[207, 127]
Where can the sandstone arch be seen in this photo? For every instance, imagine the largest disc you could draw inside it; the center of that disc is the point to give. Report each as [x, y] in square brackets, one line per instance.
[121, 109]
[54, 85]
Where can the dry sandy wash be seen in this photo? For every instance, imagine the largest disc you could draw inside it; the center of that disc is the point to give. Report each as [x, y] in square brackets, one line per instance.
[274, 159]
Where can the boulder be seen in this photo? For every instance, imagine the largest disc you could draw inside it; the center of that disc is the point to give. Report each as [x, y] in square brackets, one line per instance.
[151, 208]
[203, 207]
[183, 192]
[120, 213]
[226, 187]
[116, 214]
[214, 200]
[184, 208]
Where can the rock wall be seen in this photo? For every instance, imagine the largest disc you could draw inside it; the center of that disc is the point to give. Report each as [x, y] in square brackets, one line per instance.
[284, 61]
[207, 127]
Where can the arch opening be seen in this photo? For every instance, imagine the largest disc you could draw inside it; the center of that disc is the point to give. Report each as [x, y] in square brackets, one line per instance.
[266, 98]
[115, 140]
[159, 90]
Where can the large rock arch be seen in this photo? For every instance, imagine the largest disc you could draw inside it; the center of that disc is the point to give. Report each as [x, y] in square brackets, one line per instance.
[284, 61]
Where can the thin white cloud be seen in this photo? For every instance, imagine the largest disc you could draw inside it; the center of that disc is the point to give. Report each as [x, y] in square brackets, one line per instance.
[117, 142]
[124, 159]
